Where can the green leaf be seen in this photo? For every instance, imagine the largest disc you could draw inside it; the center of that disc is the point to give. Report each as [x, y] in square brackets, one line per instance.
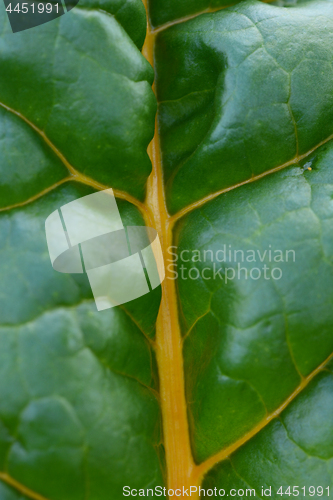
[245, 102]
[88, 89]
[130, 14]
[79, 408]
[164, 11]
[241, 92]
[256, 332]
[293, 450]
[241, 374]
[8, 493]
[77, 387]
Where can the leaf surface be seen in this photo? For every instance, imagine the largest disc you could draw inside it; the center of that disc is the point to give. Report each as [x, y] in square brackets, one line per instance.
[78, 390]
[256, 336]
[88, 89]
[224, 383]
[295, 449]
[243, 95]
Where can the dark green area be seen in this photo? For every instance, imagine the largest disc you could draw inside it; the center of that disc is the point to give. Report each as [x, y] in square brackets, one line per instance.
[83, 82]
[164, 11]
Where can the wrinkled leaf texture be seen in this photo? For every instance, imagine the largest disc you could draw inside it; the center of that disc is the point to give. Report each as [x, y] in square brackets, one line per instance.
[241, 92]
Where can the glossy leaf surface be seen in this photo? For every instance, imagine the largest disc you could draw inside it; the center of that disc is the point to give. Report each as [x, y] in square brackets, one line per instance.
[259, 333]
[242, 369]
[242, 94]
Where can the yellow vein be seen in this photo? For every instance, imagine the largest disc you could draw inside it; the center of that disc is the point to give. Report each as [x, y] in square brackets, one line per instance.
[20, 487]
[42, 134]
[181, 20]
[206, 199]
